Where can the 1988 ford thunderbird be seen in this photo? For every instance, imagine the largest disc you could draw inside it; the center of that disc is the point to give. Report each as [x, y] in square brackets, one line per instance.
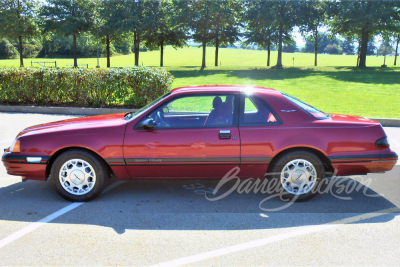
[202, 132]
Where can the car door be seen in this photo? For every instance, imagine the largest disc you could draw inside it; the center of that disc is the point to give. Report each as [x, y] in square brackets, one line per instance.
[195, 136]
[259, 127]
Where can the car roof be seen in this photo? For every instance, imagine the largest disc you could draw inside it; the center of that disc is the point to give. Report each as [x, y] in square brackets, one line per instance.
[223, 89]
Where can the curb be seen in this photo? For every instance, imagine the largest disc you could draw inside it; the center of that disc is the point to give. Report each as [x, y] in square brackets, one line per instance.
[387, 122]
[64, 110]
[101, 111]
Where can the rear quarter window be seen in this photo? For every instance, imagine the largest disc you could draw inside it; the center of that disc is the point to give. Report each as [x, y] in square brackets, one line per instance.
[317, 114]
[256, 112]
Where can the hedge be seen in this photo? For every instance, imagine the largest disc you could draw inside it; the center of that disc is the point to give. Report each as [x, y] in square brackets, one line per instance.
[125, 87]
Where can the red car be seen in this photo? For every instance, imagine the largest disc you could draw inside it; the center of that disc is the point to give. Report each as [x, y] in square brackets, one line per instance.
[202, 132]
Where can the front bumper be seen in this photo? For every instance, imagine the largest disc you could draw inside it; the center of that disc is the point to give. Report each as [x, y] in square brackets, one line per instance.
[27, 166]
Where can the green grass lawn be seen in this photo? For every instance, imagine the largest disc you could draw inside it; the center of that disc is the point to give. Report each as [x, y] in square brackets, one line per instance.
[372, 92]
[335, 86]
[191, 56]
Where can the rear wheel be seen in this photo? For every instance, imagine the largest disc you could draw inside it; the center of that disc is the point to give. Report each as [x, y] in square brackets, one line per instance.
[78, 175]
[298, 174]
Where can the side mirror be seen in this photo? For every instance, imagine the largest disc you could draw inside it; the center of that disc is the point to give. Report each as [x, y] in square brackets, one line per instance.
[146, 124]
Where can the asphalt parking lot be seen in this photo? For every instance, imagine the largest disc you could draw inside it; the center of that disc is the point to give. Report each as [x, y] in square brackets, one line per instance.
[171, 223]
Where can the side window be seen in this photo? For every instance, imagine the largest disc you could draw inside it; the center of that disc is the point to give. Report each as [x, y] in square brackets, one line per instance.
[257, 112]
[195, 112]
[249, 106]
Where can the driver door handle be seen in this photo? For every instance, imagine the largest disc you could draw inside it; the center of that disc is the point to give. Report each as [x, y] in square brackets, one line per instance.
[224, 134]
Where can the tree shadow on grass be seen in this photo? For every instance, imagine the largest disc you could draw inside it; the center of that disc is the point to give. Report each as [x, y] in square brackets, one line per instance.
[255, 74]
[370, 75]
[347, 74]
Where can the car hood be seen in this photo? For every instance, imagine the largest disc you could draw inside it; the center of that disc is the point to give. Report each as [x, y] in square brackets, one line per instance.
[82, 123]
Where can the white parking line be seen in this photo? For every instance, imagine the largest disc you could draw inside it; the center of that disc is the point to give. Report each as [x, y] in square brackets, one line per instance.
[394, 142]
[397, 146]
[9, 178]
[11, 238]
[273, 239]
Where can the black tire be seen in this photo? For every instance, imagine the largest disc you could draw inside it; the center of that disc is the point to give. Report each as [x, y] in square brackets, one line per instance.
[99, 167]
[278, 165]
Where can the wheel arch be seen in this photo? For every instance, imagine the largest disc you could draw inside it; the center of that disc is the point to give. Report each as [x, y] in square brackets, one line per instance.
[325, 160]
[62, 150]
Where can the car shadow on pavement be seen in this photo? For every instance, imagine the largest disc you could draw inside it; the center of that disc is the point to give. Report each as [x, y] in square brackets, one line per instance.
[182, 205]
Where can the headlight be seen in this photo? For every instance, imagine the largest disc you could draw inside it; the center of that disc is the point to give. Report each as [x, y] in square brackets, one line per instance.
[16, 146]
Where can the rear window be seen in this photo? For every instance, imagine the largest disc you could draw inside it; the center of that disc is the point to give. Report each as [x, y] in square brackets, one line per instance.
[311, 110]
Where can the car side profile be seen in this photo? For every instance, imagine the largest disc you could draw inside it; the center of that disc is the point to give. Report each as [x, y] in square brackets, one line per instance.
[202, 132]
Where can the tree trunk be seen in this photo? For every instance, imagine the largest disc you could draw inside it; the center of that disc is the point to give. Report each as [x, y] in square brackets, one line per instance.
[136, 42]
[316, 47]
[397, 46]
[162, 53]
[384, 58]
[21, 57]
[269, 53]
[108, 50]
[364, 44]
[216, 50]
[279, 62]
[75, 57]
[203, 63]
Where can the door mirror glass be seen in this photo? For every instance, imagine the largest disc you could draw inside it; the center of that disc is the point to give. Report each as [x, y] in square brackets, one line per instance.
[146, 124]
[165, 109]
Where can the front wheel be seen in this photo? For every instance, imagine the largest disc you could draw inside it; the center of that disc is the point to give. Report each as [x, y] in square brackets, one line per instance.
[78, 175]
[298, 174]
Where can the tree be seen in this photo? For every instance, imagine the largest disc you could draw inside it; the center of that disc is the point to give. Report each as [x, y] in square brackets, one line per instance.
[365, 19]
[397, 46]
[198, 15]
[385, 49]
[32, 48]
[333, 49]
[312, 16]
[108, 23]
[260, 29]
[389, 38]
[18, 20]
[225, 23]
[290, 48]
[327, 40]
[371, 48]
[135, 18]
[165, 28]
[308, 47]
[69, 17]
[348, 46]
[285, 16]
[7, 50]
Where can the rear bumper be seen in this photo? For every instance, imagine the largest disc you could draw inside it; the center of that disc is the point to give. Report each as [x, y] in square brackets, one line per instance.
[363, 164]
[22, 165]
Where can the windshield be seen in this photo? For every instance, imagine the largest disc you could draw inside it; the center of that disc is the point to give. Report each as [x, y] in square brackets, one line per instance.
[311, 110]
[133, 115]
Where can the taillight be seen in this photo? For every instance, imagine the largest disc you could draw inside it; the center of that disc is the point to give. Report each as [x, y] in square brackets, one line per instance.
[382, 143]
